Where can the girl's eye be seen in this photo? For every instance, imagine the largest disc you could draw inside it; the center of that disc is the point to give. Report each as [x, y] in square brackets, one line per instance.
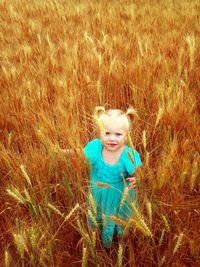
[107, 133]
[118, 134]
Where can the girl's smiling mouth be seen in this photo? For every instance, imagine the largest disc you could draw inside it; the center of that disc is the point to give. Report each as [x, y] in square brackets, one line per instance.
[111, 144]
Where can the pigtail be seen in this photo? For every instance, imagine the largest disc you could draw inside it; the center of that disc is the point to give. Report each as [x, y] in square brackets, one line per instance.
[99, 111]
[131, 113]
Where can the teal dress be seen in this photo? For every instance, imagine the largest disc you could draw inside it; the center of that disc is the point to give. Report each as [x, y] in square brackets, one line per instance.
[107, 184]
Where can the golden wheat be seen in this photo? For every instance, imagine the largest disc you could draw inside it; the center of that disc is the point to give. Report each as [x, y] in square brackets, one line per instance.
[33, 235]
[92, 217]
[54, 72]
[147, 156]
[84, 234]
[178, 242]
[149, 210]
[7, 258]
[103, 185]
[55, 209]
[124, 196]
[166, 223]
[94, 239]
[142, 226]
[190, 40]
[93, 204]
[144, 139]
[130, 142]
[20, 243]
[130, 157]
[75, 208]
[161, 237]
[118, 220]
[119, 256]
[135, 210]
[162, 261]
[14, 192]
[84, 257]
[104, 220]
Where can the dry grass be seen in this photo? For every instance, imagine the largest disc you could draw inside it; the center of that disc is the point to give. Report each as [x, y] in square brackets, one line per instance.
[58, 60]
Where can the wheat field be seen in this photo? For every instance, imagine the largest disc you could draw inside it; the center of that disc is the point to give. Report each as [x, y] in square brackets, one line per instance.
[58, 60]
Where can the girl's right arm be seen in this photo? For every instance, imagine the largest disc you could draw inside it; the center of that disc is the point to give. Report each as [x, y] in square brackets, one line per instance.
[70, 151]
[91, 150]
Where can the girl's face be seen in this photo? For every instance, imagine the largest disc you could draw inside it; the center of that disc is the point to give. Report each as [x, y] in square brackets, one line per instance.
[114, 137]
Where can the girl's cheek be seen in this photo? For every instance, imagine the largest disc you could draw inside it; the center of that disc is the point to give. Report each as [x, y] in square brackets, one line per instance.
[124, 139]
[121, 139]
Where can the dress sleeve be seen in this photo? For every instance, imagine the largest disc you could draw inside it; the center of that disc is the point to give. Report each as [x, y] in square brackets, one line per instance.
[132, 161]
[92, 150]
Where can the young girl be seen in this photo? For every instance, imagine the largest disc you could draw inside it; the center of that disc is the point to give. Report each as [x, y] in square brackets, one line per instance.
[112, 165]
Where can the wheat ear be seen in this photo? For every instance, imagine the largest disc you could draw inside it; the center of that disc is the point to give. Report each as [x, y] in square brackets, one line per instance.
[120, 255]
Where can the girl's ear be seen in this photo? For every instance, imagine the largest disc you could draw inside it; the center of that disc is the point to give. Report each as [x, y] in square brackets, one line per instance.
[99, 111]
[131, 113]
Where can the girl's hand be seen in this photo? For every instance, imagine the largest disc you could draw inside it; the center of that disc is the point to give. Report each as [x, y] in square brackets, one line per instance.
[132, 184]
[66, 151]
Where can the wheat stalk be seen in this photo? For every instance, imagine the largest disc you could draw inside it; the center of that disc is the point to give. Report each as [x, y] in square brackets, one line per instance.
[5, 72]
[159, 115]
[103, 185]
[33, 237]
[56, 210]
[27, 195]
[104, 220]
[194, 175]
[130, 142]
[147, 158]
[192, 181]
[75, 208]
[142, 226]
[130, 157]
[149, 210]
[7, 258]
[93, 204]
[124, 197]
[92, 217]
[42, 257]
[94, 239]
[182, 177]
[20, 243]
[136, 211]
[16, 195]
[161, 237]
[178, 242]
[166, 223]
[83, 233]
[138, 220]
[162, 261]
[190, 40]
[119, 256]
[193, 248]
[118, 220]
[84, 257]
[144, 139]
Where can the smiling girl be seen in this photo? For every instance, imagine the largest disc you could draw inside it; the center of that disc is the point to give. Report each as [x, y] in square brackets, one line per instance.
[113, 164]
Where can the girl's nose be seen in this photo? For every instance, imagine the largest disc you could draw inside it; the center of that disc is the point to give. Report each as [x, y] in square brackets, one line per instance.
[111, 137]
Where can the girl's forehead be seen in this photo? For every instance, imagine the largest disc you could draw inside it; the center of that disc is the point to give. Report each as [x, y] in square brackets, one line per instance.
[115, 127]
[115, 124]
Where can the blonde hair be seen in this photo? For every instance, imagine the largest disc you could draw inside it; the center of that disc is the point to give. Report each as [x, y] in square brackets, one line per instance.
[104, 118]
